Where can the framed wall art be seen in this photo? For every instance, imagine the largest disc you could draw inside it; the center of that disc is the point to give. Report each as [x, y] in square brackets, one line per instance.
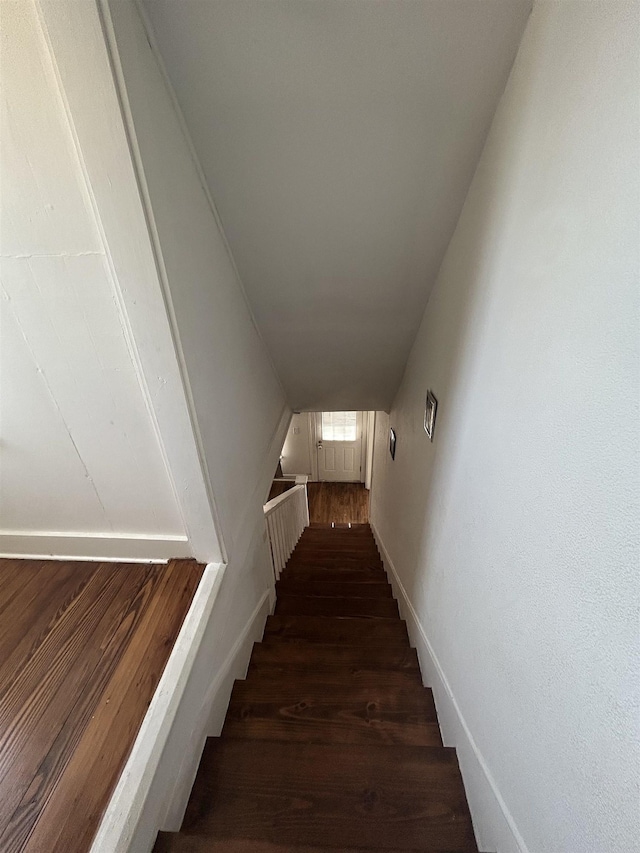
[392, 443]
[430, 414]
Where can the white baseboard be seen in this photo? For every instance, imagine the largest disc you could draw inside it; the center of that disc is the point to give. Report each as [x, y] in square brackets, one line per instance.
[154, 787]
[494, 825]
[212, 714]
[106, 547]
[130, 806]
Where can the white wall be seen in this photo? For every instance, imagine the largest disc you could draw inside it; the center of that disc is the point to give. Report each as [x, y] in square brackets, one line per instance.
[299, 445]
[515, 533]
[240, 407]
[82, 469]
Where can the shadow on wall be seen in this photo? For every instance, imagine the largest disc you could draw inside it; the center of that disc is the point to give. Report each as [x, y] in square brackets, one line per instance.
[448, 355]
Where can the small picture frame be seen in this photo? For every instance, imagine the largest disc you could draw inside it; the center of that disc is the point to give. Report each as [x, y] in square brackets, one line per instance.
[430, 414]
[392, 443]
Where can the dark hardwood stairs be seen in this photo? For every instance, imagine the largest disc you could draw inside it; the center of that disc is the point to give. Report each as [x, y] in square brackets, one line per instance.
[331, 742]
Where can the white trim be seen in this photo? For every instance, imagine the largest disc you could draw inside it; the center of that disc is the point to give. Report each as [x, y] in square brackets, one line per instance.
[109, 547]
[92, 205]
[313, 444]
[263, 483]
[88, 88]
[371, 433]
[210, 721]
[364, 443]
[151, 793]
[156, 247]
[494, 824]
[127, 802]
[236, 664]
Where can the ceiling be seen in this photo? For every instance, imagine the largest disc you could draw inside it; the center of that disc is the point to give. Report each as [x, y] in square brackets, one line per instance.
[338, 139]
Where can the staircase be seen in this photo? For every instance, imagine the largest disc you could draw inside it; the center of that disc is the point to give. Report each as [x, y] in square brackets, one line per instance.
[331, 743]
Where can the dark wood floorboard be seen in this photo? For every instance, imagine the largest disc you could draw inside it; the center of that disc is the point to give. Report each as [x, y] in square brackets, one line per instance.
[339, 503]
[83, 647]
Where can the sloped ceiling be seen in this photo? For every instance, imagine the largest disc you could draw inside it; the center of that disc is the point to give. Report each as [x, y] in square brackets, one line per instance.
[338, 139]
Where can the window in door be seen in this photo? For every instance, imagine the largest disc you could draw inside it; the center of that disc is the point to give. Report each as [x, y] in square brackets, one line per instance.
[339, 426]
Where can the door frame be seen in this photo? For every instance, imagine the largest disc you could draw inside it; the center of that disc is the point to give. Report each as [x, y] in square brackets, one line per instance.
[315, 423]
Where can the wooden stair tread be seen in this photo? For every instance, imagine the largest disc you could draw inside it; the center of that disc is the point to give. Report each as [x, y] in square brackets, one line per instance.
[343, 795]
[335, 629]
[331, 743]
[313, 586]
[313, 711]
[310, 605]
[397, 656]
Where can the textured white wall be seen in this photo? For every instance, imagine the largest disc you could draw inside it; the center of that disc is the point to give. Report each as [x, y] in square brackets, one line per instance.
[515, 533]
[79, 452]
[296, 452]
[241, 411]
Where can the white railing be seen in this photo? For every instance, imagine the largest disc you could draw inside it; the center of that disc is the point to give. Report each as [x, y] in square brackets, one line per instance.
[286, 517]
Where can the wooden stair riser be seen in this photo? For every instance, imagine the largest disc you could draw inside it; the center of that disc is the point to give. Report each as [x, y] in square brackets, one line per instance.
[348, 629]
[383, 657]
[300, 605]
[331, 574]
[335, 557]
[407, 694]
[339, 589]
[335, 551]
[333, 674]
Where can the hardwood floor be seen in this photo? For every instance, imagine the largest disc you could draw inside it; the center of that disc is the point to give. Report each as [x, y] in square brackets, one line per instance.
[340, 503]
[331, 743]
[82, 647]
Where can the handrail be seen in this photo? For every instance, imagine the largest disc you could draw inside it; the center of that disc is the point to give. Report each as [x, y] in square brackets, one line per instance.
[286, 516]
[274, 503]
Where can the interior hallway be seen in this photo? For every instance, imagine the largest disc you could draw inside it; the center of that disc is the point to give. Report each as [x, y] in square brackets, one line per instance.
[339, 503]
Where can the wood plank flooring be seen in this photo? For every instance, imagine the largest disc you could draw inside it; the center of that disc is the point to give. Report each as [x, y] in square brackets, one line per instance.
[331, 743]
[82, 647]
[340, 503]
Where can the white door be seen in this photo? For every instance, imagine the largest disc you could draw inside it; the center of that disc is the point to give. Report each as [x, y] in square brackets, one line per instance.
[339, 443]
